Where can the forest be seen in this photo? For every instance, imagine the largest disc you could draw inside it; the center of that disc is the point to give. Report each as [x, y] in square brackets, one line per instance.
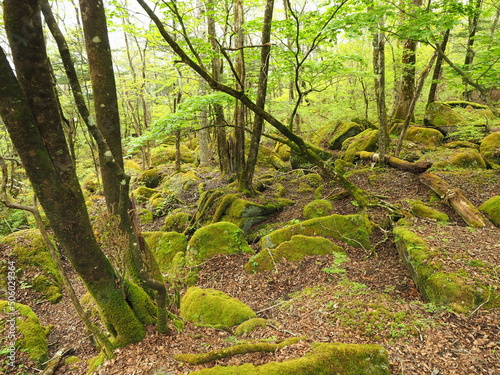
[249, 187]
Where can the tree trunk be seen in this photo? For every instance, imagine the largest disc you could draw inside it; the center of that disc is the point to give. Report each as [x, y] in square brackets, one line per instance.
[246, 178]
[437, 69]
[456, 199]
[470, 53]
[29, 110]
[239, 109]
[379, 71]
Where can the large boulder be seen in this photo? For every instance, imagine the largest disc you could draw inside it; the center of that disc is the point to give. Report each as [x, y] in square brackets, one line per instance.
[294, 250]
[490, 149]
[214, 308]
[427, 137]
[164, 246]
[317, 208]
[352, 229]
[450, 159]
[214, 239]
[364, 141]
[492, 208]
[441, 116]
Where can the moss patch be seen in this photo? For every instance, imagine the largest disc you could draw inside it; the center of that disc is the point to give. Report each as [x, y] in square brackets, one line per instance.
[296, 249]
[213, 239]
[451, 159]
[33, 338]
[429, 138]
[440, 114]
[325, 359]
[421, 210]
[150, 178]
[214, 308]
[164, 246]
[143, 193]
[250, 325]
[176, 222]
[490, 149]
[317, 208]
[492, 208]
[352, 229]
[33, 256]
[364, 141]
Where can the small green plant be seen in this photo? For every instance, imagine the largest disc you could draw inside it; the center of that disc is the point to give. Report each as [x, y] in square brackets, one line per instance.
[338, 260]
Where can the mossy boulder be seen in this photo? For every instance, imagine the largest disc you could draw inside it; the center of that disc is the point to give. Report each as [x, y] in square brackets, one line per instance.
[217, 238]
[145, 216]
[296, 249]
[245, 214]
[132, 167]
[451, 159]
[461, 144]
[91, 183]
[33, 336]
[364, 141]
[181, 181]
[492, 208]
[419, 209]
[324, 359]
[249, 326]
[150, 178]
[165, 245]
[352, 229]
[317, 208]
[143, 194]
[164, 154]
[33, 256]
[176, 222]
[441, 288]
[213, 307]
[426, 137]
[283, 151]
[332, 136]
[441, 115]
[269, 158]
[490, 149]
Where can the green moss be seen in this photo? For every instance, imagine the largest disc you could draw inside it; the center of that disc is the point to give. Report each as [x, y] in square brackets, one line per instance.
[164, 246]
[427, 137]
[421, 210]
[461, 144]
[325, 359]
[29, 248]
[132, 167]
[142, 194]
[71, 360]
[91, 183]
[150, 178]
[296, 249]
[176, 222]
[440, 114]
[341, 131]
[145, 216]
[213, 307]
[164, 154]
[490, 149]
[269, 158]
[33, 338]
[283, 151]
[492, 208]
[12, 220]
[352, 229]
[144, 309]
[249, 326]
[317, 208]
[312, 179]
[452, 288]
[213, 239]
[451, 159]
[95, 362]
[181, 181]
[364, 141]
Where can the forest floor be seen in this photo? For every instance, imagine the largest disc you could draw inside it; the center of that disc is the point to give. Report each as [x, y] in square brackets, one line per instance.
[369, 299]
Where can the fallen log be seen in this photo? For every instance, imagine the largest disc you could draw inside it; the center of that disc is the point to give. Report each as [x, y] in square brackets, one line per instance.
[456, 199]
[54, 363]
[402, 165]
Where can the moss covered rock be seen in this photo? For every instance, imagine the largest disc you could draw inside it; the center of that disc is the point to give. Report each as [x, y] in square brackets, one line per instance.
[419, 209]
[181, 181]
[32, 254]
[165, 245]
[441, 288]
[317, 208]
[352, 229]
[176, 222]
[33, 336]
[150, 178]
[250, 325]
[214, 308]
[143, 194]
[164, 154]
[427, 137]
[246, 214]
[269, 158]
[364, 141]
[296, 249]
[492, 208]
[91, 183]
[439, 114]
[490, 149]
[214, 239]
[332, 136]
[450, 159]
[145, 216]
[325, 359]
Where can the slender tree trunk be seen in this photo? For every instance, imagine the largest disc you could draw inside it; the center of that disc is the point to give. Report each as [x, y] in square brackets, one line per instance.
[246, 178]
[30, 113]
[436, 75]
[379, 71]
[239, 110]
[470, 53]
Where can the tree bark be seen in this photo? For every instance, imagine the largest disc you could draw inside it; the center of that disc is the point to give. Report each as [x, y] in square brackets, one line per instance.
[239, 108]
[29, 110]
[379, 71]
[470, 53]
[456, 199]
[436, 75]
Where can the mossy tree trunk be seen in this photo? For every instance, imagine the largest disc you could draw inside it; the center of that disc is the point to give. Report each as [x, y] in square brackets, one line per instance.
[29, 109]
